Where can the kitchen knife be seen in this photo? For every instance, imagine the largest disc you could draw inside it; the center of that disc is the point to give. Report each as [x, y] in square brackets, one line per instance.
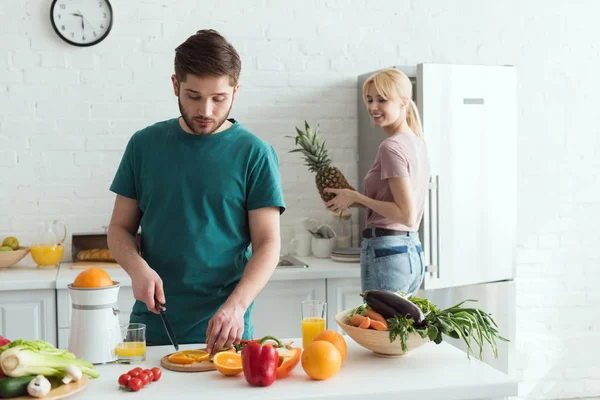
[170, 333]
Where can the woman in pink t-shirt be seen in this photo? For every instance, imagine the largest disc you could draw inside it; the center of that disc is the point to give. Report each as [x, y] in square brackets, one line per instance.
[395, 188]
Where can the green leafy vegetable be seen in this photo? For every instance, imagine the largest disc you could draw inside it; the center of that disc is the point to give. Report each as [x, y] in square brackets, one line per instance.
[24, 357]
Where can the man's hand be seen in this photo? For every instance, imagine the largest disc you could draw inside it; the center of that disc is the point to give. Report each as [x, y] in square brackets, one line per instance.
[225, 328]
[147, 286]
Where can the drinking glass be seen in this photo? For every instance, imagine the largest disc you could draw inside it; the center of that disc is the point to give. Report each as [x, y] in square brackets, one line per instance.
[133, 347]
[313, 320]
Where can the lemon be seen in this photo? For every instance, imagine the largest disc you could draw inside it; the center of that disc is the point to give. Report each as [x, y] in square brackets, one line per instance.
[11, 242]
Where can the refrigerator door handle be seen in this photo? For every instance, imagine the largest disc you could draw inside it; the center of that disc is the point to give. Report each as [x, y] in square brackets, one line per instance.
[434, 260]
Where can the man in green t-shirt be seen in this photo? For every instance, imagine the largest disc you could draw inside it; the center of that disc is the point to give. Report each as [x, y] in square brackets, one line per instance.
[202, 188]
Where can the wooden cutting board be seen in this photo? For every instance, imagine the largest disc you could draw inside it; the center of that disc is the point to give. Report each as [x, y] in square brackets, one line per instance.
[89, 264]
[202, 366]
[59, 390]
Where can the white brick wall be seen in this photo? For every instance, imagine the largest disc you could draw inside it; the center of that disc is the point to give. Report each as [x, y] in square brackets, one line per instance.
[66, 113]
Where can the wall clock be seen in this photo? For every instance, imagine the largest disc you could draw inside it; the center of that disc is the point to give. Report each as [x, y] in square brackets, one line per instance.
[81, 22]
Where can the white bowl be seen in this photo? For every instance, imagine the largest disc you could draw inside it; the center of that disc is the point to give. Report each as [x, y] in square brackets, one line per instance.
[379, 341]
[9, 258]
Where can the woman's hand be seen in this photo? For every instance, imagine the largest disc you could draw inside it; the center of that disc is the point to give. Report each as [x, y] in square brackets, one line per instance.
[343, 199]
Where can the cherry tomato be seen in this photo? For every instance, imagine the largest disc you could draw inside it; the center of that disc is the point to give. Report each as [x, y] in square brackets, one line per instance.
[135, 384]
[145, 378]
[134, 373]
[157, 373]
[124, 379]
[150, 374]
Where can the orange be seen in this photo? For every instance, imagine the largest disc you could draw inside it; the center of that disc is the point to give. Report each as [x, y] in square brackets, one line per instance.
[180, 358]
[189, 356]
[321, 360]
[335, 339]
[92, 278]
[228, 363]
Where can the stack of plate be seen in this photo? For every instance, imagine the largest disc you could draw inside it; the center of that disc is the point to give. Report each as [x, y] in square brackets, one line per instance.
[350, 254]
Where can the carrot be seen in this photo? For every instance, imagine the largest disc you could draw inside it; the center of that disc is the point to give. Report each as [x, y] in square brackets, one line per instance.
[366, 323]
[357, 320]
[376, 316]
[378, 325]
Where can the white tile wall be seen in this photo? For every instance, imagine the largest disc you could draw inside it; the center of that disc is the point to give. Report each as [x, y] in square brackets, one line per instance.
[66, 114]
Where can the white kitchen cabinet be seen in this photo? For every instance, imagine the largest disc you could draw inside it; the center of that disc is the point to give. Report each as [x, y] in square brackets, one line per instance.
[277, 310]
[64, 307]
[28, 314]
[342, 294]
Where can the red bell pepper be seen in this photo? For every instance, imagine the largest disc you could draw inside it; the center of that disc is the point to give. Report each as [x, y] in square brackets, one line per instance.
[288, 364]
[260, 361]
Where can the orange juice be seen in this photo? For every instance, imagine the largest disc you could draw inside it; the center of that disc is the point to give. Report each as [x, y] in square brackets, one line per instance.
[47, 255]
[311, 327]
[130, 349]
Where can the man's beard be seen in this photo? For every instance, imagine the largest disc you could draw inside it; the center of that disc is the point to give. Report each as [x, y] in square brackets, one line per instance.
[193, 122]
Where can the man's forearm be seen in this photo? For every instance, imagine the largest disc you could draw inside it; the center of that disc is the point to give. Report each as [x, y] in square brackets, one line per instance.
[124, 248]
[256, 275]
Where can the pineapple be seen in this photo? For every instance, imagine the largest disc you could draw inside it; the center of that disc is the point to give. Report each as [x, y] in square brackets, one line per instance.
[318, 160]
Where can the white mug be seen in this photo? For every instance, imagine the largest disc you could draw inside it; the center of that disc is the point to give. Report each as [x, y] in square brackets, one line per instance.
[301, 245]
[322, 247]
[302, 225]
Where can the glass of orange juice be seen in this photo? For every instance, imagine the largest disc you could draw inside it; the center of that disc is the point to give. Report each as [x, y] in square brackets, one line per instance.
[133, 347]
[313, 320]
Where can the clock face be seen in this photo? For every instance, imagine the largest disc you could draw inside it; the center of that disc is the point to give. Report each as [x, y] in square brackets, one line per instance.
[81, 22]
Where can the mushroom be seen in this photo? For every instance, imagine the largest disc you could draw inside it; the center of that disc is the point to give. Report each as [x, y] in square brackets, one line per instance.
[73, 374]
[39, 386]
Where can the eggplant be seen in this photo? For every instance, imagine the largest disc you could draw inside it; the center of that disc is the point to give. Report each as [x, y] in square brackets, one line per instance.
[379, 306]
[401, 307]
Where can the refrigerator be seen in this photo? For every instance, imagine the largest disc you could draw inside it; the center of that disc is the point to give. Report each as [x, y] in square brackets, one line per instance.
[468, 230]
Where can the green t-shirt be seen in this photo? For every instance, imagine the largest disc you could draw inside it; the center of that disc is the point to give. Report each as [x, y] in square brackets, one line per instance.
[195, 193]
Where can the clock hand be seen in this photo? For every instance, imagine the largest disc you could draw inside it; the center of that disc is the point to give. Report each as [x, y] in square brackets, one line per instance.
[77, 15]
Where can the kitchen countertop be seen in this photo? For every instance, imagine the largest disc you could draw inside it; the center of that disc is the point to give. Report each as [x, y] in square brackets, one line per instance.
[29, 277]
[431, 372]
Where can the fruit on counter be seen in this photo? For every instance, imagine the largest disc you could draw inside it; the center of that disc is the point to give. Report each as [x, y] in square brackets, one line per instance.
[24, 357]
[228, 363]
[260, 361]
[11, 242]
[429, 321]
[14, 387]
[92, 278]
[335, 339]
[137, 378]
[318, 160]
[6, 248]
[321, 360]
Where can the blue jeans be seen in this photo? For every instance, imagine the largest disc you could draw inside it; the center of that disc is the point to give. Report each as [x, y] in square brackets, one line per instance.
[392, 263]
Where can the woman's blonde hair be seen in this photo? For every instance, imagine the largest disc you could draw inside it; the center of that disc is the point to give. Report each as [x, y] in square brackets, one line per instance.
[393, 84]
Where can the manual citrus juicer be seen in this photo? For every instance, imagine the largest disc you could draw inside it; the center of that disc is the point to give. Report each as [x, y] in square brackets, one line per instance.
[95, 330]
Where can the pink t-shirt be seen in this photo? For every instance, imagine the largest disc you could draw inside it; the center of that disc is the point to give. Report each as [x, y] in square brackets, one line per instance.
[400, 155]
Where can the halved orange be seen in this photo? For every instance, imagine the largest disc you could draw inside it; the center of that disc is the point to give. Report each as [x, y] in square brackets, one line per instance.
[228, 363]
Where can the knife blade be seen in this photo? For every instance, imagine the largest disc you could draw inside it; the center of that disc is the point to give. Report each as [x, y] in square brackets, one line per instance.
[165, 321]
